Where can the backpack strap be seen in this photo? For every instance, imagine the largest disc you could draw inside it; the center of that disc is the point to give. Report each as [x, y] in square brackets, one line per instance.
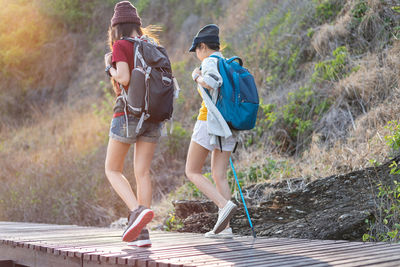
[123, 96]
[220, 143]
[240, 61]
[139, 56]
[234, 149]
[131, 39]
[229, 60]
[215, 56]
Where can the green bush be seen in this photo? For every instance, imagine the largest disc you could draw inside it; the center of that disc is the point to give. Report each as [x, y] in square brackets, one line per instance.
[385, 226]
[393, 139]
[333, 69]
[296, 118]
[376, 25]
[187, 191]
[104, 108]
[141, 5]
[177, 141]
[21, 38]
[296, 111]
[359, 10]
[172, 223]
[276, 48]
[385, 223]
[75, 15]
[258, 173]
[327, 10]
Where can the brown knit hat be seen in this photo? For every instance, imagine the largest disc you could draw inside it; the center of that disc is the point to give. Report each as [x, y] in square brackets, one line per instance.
[125, 12]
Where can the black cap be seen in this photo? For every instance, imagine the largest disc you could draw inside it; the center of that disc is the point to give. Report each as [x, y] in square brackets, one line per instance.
[207, 34]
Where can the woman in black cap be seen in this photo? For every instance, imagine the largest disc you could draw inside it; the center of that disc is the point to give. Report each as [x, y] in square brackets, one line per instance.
[119, 64]
[205, 44]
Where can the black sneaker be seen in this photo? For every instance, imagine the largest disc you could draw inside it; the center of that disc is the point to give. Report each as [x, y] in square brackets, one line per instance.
[143, 240]
[137, 219]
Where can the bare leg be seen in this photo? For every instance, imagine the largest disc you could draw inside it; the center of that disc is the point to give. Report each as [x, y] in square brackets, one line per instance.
[116, 152]
[194, 164]
[219, 165]
[144, 152]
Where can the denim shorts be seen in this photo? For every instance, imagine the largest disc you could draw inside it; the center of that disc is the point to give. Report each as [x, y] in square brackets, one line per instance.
[150, 131]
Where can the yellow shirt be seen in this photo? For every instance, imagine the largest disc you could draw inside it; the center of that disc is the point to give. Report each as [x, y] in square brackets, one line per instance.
[211, 76]
[202, 112]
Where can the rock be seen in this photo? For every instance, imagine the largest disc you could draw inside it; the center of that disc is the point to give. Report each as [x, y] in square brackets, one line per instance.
[199, 222]
[300, 211]
[185, 208]
[121, 223]
[344, 216]
[334, 207]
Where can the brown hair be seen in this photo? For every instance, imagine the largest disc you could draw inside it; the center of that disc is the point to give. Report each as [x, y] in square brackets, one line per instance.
[125, 30]
[212, 46]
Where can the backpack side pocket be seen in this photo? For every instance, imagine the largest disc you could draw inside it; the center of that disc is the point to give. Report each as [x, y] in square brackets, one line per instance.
[136, 92]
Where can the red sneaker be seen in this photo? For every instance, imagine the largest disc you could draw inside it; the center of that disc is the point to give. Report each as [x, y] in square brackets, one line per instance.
[137, 219]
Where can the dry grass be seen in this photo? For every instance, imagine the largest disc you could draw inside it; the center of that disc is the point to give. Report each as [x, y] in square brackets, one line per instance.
[374, 81]
[328, 36]
[236, 12]
[364, 143]
[376, 87]
[55, 134]
[52, 170]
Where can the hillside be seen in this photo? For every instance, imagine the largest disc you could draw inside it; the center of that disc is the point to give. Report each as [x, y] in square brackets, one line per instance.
[328, 73]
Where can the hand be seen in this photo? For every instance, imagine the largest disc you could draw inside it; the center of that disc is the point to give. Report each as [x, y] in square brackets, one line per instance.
[107, 58]
[196, 73]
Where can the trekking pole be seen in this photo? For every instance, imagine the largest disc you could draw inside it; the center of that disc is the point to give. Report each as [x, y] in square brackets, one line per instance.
[241, 194]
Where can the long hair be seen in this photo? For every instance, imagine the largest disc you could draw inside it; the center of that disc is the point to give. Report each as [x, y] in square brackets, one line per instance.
[118, 31]
[126, 29]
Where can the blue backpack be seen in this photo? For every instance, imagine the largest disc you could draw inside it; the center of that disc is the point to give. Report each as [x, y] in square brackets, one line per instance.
[238, 97]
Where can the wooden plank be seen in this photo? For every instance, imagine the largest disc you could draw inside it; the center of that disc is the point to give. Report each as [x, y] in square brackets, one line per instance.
[321, 255]
[372, 258]
[35, 258]
[52, 236]
[260, 249]
[94, 246]
[278, 253]
[171, 253]
[212, 251]
[121, 246]
[286, 256]
[359, 260]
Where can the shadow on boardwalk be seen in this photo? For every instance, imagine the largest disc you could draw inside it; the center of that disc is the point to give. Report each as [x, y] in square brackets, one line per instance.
[259, 252]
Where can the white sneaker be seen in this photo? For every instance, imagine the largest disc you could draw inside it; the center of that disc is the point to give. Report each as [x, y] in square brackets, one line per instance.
[225, 234]
[224, 216]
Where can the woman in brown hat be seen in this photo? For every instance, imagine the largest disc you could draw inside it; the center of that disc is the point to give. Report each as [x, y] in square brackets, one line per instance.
[119, 64]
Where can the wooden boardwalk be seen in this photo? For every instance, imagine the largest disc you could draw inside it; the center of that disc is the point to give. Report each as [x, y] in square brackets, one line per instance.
[42, 245]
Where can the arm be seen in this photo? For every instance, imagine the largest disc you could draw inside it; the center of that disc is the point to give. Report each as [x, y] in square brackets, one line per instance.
[209, 76]
[198, 78]
[121, 71]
